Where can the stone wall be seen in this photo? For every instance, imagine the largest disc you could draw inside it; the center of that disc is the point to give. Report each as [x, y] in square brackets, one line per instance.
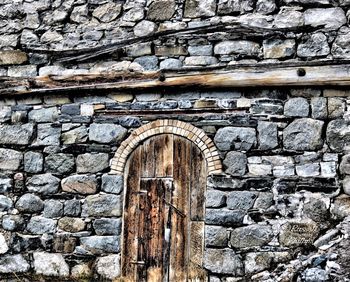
[167, 34]
[279, 211]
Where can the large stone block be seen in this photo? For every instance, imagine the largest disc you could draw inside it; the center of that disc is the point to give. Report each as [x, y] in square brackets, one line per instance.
[29, 203]
[41, 225]
[226, 7]
[10, 159]
[314, 45]
[12, 57]
[267, 135]
[53, 208]
[255, 235]
[235, 163]
[48, 134]
[59, 163]
[338, 135]
[199, 8]
[102, 205]
[43, 183]
[16, 134]
[216, 236]
[107, 12]
[50, 264]
[303, 134]
[106, 133]
[277, 48]
[330, 18]
[223, 261]
[112, 183]
[43, 115]
[33, 162]
[242, 47]
[101, 244]
[75, 135]
[224, 217]
[296, 107]
[215, 199]
[341, 44]
[71, 224]
[298, 233]
[92, 163]
[241, 200]
[108, 226]
[108, 266]
[161, 10]
[13, 264]
[81, 184]
[235, 138]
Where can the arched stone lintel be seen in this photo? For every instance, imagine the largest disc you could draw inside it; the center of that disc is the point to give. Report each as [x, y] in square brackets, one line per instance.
[176, 127]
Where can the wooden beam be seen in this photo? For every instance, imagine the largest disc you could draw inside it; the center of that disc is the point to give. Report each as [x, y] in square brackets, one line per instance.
[245, 76]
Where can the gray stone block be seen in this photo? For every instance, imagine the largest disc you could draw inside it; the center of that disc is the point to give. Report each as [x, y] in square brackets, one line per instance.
[112, 183]
[224, 217]
[41, 225]
[216, 236]
[255, 235]
[10, 159]
[296, 107]
[53, 208]
[92, 163]
[223, 261]
[33, 162]
[59, 163]
[43, 183]
[106, 133]
[241, 200]
[235, 138]
[102, 205]
[16, 134]
[235, 163]
[101, 244]
[29, 203]
[267, 135]
[81, 184]
[108, 226]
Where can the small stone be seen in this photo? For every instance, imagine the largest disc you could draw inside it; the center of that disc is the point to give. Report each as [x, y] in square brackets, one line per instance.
[235, 138]
[107, 12]
[336, 108]
[241, 200]
[303, 134]
[13, 264]
[319, 107]
[338, 135]
[315, 46]
[101, 244]
[51, 37]
[108, 266]
[235, 163]
[106, 133]
[59, 163]
[264, 201]
[22, 71]
[43, 183]
[216, 236]
[80, 14]
[29, 203]
[76, 135]
[215, 199]
[92, 163]
[267, 135]
[224, 217]
[50, 264]
[329, 18]
[345, 165]
[298, 233]
[102, 205]
[33, 162]
[5, 203]
[41, 225]
[148, 62]
[223, 261]
[242, 47]
[202, 50]
[135, 14]
[259, 169]
[10, 159]
[161, 10]
[199, 8]
[48, 135]
[72, 208]
[283, 170]
[315, 275]
[308, 170]
[9, 40]
[112, 183]
[139, 50]
[277, 48]
[200, 61]
[255, 235]
[81, 271]
[108, 226]
[341, 44]
[289, 17]
[71, 224]
[12, 57]
[296, 107]
[317, 209]
[53, 209]
[328, 169]
[145, 28]
[81, 184]
[70, 109]
[5, 183]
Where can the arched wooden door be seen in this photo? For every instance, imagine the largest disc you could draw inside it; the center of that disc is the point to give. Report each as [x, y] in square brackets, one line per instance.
[164, 211]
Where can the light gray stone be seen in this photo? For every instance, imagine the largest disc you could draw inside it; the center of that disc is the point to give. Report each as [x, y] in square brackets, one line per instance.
[283, 170]
[5, 203]
[45, 184]
[108, 266]
[216, 236]
[308, 170]
[13, 222]
[201, 50]
[344, 167]
[336, 107]
[41, 225]
[43, 115]
[145, 28]
[242, 47]
[92, 163]
[255, 235]
[215, 199]
[259, 169]
[10, 159]
[330, 18]
[267, 135]
[53, 209]
[5, 183]
[241, 200]
[59, 163]
[296, 107]
[29, 203]
[315, 275]
[303, 134]
[13, 264]
[235, 138]
[289, 17]
[22, 71]
[161, 10]
[235, 163]
[75, 135]
[338, 135]
[108, 226]
[298, 233]
[199, 8]
[223, 261]
[234, 6]
[48, 134]
[200, 61]
[50, 264]
[224, 217]
[148, 62]
[278, 48]
[106, 133]
[80, 14]
[101, 244]
[72, 208]
[102, 205]
[112, 183]
[170, 64]
[341, 44]
[81, 184]
[71, 224]
[107, 12]
[328, 169]
[319, 107]
[265, 6]
[315, 45]
[33, 162]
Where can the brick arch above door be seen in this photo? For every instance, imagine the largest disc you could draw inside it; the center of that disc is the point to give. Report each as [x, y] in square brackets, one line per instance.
[168, 126]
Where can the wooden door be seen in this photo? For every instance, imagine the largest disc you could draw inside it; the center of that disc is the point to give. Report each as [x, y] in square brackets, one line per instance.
[164, 211]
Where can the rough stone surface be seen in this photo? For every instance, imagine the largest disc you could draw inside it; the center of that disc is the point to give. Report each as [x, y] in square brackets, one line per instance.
[235, 138]
[237, 47]
[33, 162]
[298, 233]
[102, 205]
[277, 48]
[16, 134]
[48, 135]
[251, 236]
[216, 236]
[5, 183]
[223, 262]
[59, 163]
[107, 226]
[53, 209]
[145, 28]
[50, 264]
[267, 135]
[71, 224]
[101, 244]
[319, 107]
[13, 264]
[215, 199]
[108, 266]
[5, 203]
[161, 10]
[43, 183]
[330, 18]
[107, 12]
[41, 225]
[303, 134]
[106, 133]
[296, 107]
[10, 159]
[338, 135]
[235, 163]
[224, 217]
[241, 200]
[81, 184]
[29, 203]
[92, 163]
[196, 8]
[112, 183]
[315, 45]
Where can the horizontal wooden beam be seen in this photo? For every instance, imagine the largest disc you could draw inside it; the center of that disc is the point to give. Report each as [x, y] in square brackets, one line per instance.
[245, 76]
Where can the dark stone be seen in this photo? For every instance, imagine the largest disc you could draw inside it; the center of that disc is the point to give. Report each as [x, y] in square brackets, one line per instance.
[224, 217]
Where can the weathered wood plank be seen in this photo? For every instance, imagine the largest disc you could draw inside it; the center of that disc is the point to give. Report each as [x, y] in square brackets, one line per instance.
[163, 147]
[131, 211]
[148, 158]
[198, 184]
[143, 227]
[168, 186]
